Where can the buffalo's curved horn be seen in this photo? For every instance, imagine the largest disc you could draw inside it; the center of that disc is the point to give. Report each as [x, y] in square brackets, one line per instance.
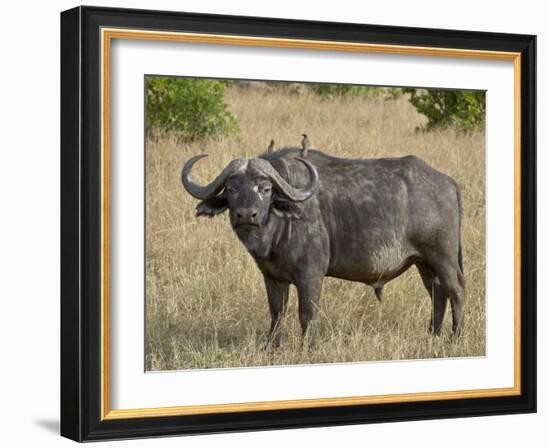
[292, 193]
[212, 189]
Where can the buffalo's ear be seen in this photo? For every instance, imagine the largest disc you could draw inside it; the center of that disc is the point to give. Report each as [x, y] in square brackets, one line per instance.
[285, 209]
[212, 207]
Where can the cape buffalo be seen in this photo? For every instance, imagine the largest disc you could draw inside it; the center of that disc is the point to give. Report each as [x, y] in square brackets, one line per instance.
[364, 220]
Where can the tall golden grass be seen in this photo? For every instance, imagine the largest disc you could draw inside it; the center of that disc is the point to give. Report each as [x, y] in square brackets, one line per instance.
[206, 306]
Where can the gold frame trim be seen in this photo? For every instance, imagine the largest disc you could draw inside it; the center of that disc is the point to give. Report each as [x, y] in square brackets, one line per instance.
[107, 35]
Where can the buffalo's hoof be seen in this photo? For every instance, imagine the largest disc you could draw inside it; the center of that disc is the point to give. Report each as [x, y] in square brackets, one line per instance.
[274, 342]
[457, 333]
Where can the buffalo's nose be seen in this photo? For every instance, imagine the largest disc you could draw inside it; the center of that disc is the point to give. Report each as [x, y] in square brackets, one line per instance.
[247, 215]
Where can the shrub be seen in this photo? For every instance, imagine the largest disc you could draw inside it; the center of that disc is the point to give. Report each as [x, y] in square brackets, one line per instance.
[329, 91]
[192, 108]
[462, 109]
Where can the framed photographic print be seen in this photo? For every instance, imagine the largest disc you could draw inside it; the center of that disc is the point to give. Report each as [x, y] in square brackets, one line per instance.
[272, 223]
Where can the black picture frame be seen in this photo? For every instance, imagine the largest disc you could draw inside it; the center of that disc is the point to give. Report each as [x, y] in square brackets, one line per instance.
[81, 223]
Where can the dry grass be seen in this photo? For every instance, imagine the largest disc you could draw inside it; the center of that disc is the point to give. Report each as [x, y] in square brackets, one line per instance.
[206, 305]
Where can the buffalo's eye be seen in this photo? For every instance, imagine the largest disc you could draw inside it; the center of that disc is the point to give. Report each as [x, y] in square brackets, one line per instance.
[231, 189]
[266, 188]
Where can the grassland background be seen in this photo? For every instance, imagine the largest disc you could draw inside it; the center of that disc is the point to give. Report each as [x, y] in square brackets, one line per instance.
[206, 305]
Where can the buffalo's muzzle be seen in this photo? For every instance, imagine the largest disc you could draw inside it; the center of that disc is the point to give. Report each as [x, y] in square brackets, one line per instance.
[247, 216]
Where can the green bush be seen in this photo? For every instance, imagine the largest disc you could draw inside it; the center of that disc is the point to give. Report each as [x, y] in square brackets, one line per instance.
[393, 93]
[193, 108]
[329, 91]
[462, 109]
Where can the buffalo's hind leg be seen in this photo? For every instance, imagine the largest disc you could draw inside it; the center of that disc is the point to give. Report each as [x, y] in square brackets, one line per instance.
[438, 295]
[452, 280]
[277, 294]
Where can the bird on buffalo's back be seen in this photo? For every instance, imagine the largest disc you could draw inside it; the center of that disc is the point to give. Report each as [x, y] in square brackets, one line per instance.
[305, 145]
[271, 146]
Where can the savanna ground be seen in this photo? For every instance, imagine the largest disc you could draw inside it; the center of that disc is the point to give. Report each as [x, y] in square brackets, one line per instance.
[206, 306]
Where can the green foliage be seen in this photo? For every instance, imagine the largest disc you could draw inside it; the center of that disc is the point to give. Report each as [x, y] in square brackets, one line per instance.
[193, 108]
[393, 93]
[330, 91]
[462, 109]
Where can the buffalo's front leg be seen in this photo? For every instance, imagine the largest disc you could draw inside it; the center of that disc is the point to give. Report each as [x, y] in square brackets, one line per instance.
[309, 294]
[277, 294]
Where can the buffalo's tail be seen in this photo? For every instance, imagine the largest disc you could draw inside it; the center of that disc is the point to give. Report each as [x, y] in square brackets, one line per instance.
[460, 273]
